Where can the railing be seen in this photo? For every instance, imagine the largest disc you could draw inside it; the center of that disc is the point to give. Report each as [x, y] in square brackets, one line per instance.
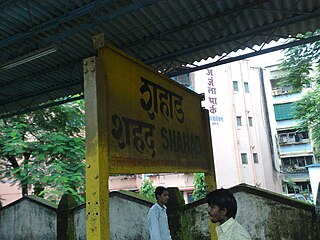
[281, 91]
[294, 169]
[292, 137]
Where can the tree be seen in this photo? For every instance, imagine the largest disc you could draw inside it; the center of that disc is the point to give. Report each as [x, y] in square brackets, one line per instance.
[300, 62]
[291, 184]
[147, 189]
[307, 110]
[199, 182]
[302, 67]
[45, 150]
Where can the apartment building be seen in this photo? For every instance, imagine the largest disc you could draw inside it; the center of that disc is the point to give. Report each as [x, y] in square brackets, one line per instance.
[294, 146]
[240, 107]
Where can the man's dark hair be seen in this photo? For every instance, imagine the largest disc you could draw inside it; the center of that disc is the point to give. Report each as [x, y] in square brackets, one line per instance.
[223, 198]
[159, 190]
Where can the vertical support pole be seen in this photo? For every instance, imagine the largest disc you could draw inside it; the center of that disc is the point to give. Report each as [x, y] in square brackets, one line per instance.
[65, 228]
[210, 176]
[97, 167]
[174, 204]
[317, 204]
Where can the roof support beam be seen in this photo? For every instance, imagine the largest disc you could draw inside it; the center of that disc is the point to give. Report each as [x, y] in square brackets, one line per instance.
[35, 108]
[42, 72]
[114, 14]
[234, 37]
[244, 56]
[44, 91]
[194, 23]
[55, 22]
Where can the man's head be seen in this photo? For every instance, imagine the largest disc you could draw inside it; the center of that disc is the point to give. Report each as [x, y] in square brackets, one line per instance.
[162, 195]
[222, 205]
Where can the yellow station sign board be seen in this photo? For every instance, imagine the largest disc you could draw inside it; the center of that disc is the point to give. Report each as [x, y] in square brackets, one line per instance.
[153, 124]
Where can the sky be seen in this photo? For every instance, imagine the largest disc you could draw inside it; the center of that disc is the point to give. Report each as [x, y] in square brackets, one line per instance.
[257, 61]
[265, 59]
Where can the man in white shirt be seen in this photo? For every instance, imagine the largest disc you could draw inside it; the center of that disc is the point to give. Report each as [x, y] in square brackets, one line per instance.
[157, 216]
[223, 210]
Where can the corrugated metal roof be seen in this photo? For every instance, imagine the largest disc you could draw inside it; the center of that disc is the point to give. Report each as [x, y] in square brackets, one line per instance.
[165, 34]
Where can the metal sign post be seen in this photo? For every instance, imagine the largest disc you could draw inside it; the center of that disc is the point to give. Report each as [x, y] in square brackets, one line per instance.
[97, 164]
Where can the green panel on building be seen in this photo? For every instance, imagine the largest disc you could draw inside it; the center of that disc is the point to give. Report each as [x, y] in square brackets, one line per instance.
[283, 111]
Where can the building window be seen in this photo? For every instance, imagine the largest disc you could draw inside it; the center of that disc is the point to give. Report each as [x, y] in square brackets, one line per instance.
[244, 158]
[239, 123]
[284, 111]
[190, 197]
[255, 158]
[235, 86]
[246, 87]
[250, 121]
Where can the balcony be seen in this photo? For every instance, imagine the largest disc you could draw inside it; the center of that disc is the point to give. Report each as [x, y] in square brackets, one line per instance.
[277, 91]
[294, 169]
[293, 138]
[296, 165]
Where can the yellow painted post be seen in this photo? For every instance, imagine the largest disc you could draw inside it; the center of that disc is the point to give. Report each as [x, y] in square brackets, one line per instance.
[97, 165]
[210, 176]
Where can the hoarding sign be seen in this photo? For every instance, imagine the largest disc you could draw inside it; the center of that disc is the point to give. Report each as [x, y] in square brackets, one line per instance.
[153, 123]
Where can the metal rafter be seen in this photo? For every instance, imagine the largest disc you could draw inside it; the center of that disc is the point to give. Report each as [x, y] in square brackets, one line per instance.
[28, 109]
[85, 26]
[191, 24]
[45, 71]
[233, 37]
[43, 91]
[178, 72]
[54, 23]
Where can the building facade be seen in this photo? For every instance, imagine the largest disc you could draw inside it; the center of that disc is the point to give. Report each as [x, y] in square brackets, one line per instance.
[9, 193]
[241, 130]
[294, 146]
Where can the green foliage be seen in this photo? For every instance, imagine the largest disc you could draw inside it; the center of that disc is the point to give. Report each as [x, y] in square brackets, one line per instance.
[300, 62]
[293, 185]
[302, 67]
[147, 190]
[199, 182]
[186, 223]
[45, 149]
[307, 110]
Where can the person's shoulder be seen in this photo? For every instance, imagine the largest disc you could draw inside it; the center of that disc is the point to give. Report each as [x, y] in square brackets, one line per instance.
[153, 212]
[153, 208]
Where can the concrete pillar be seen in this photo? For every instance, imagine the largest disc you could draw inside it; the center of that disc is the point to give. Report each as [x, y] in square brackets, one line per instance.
[175, 202]
[317, 204]
[65, 228]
